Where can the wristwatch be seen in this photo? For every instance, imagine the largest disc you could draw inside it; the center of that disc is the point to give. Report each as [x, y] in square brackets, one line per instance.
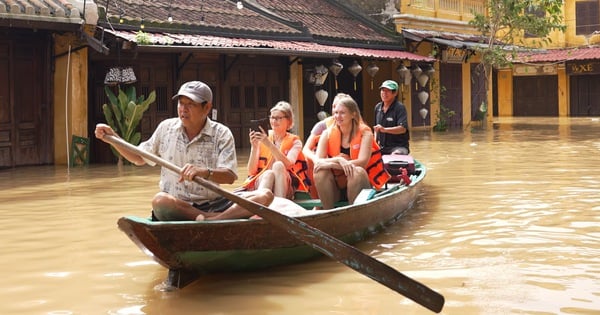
[209, 173]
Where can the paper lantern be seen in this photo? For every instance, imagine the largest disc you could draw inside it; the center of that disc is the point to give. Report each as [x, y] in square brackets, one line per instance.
[423, 97]
[322, 115]
[404, 74]
[423, 111]
[321, 96]
[355, 69]
[416, 71]
[429, 70]
[320, 75]
[372, 70]
[422, 79]
[335, 68]
[119, 75]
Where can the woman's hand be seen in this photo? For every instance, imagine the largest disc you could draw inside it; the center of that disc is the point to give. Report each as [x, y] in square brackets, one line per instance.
[256, 137]
[346, 166]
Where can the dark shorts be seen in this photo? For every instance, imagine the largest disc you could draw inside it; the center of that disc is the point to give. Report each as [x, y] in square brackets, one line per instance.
[217, 205]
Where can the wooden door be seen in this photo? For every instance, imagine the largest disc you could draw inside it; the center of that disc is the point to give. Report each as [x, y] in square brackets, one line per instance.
[249, 92]
[535, 96]
[585, 95]
[25, 116]
[451, 96]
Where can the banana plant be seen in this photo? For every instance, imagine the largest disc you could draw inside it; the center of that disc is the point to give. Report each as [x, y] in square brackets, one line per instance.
[125, 112]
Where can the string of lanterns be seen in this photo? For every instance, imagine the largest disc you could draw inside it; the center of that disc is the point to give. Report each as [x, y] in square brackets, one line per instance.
[421, 73]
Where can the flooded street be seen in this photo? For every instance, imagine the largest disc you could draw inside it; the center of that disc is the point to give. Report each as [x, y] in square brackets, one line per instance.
[508, 222]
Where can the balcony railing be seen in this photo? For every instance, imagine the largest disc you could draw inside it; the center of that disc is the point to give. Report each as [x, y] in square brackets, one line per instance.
[460, 7]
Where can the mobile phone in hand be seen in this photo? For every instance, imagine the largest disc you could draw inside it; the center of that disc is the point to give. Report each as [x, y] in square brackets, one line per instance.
[264, 123]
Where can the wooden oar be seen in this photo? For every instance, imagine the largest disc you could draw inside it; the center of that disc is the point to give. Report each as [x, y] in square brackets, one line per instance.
[317, 239]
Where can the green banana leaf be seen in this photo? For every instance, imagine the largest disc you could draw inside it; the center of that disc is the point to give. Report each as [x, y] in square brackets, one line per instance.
[125, 112]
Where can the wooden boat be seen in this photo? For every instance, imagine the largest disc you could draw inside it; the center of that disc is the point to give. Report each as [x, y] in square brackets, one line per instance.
[190, 249]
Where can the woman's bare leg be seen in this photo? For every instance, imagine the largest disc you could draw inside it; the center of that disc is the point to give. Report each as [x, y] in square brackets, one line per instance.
[281, 187]
[357, 182]
[327, 188]
[261, 196]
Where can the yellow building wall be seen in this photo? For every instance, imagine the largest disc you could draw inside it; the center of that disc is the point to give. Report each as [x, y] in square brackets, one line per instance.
[563, 92]
[505, 93]
[70, 94]
[466, 94]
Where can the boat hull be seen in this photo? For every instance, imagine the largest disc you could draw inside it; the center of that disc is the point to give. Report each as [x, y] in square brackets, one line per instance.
[189, 249]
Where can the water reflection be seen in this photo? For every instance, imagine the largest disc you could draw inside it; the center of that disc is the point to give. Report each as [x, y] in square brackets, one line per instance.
[507, 223]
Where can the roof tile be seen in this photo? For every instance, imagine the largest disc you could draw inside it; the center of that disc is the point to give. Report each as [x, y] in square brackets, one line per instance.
[296, 47]
[560, 55]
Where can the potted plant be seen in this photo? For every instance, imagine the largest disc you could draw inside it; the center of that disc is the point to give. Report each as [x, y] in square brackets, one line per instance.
[444, 114]
[124, 114]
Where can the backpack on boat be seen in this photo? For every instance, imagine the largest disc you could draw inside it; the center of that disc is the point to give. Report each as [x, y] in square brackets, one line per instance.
[399, 166]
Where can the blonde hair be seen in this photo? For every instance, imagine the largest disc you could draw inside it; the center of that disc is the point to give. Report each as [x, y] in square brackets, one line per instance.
[337, 99]
[351, 105]
[286, 109]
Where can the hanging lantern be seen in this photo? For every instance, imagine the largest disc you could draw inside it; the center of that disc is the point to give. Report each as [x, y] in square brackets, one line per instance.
[336, 67]
[120, 75]
[322, 115]
[372, 69]
[422, 79]
[320, 75]
[416, 71]
[321, 96]
[404, 74]
[355, 69]
[310, 76]
[423, 97]
[429, 71]
[423, 111]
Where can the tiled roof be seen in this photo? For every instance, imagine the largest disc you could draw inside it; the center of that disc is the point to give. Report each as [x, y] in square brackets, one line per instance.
[560, 55]
[323, 19]
[309, 20]
[193, 16]
[425, 34]
[19, 13]
[164, 41]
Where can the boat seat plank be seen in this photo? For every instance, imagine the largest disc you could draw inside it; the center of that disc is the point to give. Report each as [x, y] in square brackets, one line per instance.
[364, 196]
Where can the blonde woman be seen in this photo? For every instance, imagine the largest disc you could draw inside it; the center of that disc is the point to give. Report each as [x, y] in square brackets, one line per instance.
[344, 154]
[276, 161]
[310, 146]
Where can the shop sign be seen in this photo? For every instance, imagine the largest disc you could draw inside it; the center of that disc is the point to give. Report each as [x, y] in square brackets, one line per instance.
[525, 70]
[582, 67]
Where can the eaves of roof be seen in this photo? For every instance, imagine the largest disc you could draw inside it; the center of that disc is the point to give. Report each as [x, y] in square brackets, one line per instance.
[559, 55]
[62, 15]
[450, 39]
[165, 42]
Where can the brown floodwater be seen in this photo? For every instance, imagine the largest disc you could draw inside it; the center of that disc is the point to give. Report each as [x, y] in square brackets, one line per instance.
[508, 222]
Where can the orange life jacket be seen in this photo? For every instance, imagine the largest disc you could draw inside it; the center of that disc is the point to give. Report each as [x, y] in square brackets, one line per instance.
[375, 168]
[329, 121]
[298, 172]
